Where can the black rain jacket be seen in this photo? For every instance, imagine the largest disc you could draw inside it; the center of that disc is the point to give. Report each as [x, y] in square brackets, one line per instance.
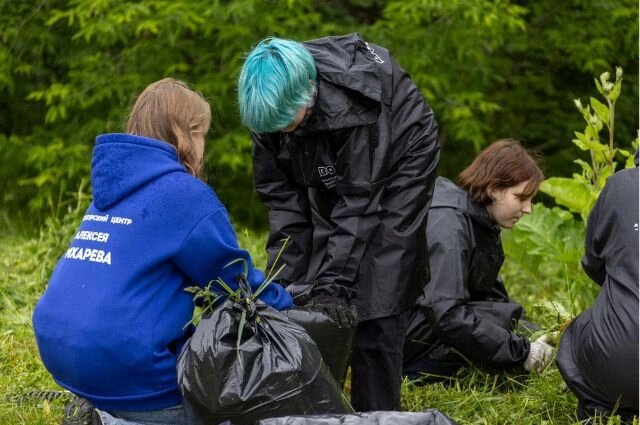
[598, 352]
[352, 185]
[465, 306]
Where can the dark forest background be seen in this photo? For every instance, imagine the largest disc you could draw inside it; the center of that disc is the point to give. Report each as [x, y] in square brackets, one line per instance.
[69, 70]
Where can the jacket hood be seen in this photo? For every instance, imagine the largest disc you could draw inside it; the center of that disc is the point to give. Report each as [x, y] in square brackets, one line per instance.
[123, 163]
[448, 195]
[348, 61]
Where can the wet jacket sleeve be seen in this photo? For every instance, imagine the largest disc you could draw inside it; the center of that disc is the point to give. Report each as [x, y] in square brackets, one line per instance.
[595, 238]
[210, 247]
[447, 305]
[289, 213]
[385, 178]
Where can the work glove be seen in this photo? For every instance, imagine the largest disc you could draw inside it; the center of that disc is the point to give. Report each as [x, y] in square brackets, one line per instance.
[300, 292]
[540, 355]
[336, 308]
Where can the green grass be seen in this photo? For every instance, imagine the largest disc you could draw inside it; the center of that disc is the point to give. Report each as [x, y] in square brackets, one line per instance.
[475, 398]
[497, 398]
[21, 282]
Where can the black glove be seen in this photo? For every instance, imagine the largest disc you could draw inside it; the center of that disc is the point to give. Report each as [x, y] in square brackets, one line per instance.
[303, 292]
[300, 291]
[336, 308]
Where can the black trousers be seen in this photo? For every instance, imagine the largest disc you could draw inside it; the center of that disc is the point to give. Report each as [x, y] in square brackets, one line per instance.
[376, 363]
[426, 370]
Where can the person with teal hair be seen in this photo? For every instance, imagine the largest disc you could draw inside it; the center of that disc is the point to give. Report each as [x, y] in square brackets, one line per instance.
[273, 88]
[345, 150]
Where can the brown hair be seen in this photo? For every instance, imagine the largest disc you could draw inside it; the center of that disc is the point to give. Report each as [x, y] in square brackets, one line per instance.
[169, 110]
[504, 163]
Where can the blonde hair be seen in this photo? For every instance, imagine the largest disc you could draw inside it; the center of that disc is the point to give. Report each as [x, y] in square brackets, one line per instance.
[169, 110]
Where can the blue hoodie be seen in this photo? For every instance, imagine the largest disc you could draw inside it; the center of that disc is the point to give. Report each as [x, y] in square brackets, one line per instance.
[112, 321]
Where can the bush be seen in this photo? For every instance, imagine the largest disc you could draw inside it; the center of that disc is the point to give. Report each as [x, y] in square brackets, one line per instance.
[548, 245]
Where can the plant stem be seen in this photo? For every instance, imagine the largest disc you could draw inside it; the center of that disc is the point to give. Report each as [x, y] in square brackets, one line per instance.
[594, 164]
[612, 106]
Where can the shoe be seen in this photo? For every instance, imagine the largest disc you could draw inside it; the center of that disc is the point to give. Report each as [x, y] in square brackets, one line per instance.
[80, 412]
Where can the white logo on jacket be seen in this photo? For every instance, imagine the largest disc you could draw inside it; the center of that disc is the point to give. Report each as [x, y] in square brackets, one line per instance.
[328, 176]
[375, 55]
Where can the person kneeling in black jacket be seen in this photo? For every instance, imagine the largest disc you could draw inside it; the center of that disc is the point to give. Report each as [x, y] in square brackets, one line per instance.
[465, 311]
[598, 352]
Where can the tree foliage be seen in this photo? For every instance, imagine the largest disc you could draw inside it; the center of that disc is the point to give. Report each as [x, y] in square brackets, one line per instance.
[70, 69]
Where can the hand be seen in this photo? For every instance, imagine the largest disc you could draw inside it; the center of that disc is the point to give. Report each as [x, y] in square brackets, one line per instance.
[336, 308]
[540, 355]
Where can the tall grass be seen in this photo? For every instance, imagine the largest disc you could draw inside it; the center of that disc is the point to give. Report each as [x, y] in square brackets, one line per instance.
[477, 397]
[22, 280]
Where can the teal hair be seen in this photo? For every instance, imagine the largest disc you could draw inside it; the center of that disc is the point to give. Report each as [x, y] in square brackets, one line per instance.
[274, 84]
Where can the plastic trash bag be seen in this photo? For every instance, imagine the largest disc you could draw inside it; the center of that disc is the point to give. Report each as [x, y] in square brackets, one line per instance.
[428, 417]
[333, 341]
[276, 370]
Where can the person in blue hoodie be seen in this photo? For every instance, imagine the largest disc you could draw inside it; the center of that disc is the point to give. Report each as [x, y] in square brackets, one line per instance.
[114, 316]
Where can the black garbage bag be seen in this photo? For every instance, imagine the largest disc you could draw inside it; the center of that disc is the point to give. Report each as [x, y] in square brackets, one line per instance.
[273, 369]
[333, 341]
[428, 417]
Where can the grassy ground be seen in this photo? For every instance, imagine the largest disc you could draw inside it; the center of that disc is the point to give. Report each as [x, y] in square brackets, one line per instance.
[21, 282]
[476, 398]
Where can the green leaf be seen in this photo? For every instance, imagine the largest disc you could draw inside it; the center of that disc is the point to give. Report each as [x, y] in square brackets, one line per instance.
[599, 86]
[227, 288]
[267, 282]
[581, 141]
[602, 111]
[605, 172]
[243, 321]
[551, 233]
[615, 93]
[280, 251]
[587, 171]
[557, 308]
[245, 265]
[629, 158]
[576, 195]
